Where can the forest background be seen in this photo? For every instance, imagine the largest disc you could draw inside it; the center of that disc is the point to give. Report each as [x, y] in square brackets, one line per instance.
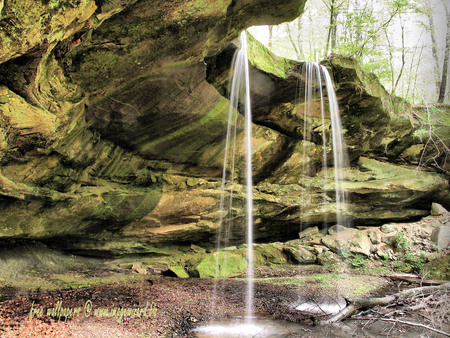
[406, 43]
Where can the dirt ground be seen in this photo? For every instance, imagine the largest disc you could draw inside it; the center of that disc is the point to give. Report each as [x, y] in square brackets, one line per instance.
[157, 307]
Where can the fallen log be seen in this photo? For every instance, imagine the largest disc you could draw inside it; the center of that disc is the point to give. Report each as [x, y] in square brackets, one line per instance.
[354, 304]
[409, 278]
[403, 322]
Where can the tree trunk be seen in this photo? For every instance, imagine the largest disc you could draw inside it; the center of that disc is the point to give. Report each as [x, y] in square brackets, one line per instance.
[270, 36]
[434, 50]
[334, 31]
[403, 59]
[297, 52]
[330, 27]
[443, 86]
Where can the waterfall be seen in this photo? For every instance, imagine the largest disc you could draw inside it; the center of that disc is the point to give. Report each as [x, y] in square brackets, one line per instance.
[239, 97]
[316, 78]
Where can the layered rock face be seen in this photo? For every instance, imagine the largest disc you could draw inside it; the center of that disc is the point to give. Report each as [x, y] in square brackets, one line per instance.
[113, 119]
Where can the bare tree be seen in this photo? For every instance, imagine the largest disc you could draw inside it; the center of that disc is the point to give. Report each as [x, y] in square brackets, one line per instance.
[270, 36]
[429, 14]
[443, 85]
[403, 58]
[333, 7]
[295, 44]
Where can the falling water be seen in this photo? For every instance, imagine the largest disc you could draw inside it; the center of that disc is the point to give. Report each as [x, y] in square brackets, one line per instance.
[239, 94]
[249, 180]
[315, 76]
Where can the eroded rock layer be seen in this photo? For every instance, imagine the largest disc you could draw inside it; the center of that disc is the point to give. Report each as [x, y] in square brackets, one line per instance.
[113, 119]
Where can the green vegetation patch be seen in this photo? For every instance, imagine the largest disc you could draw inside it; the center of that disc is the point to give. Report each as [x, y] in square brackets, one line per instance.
[260, 57]
[347, 285]
[220, 264]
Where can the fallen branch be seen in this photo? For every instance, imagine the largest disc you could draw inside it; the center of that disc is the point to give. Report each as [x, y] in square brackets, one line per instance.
[354, 304]
[404, 322]
[416, 279]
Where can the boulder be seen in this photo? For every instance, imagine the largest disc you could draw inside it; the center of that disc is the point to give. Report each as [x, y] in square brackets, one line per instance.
[437, 209]
[375, 236]
[327, 258]
[139, 268]
[268, 254]
[388, 228]
[300, 255]
[438, 268]
[178, 271]
[219, 264]
[308, 232]
[347, 240]
[441, 236]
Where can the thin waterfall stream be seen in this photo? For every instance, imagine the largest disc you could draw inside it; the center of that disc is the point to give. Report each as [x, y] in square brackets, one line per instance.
[239, 94]
[316, 79]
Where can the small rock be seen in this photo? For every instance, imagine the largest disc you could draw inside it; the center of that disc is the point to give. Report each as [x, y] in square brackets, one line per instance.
[197, 249]
[300, 255]
[190, 182]
[293, 242]
[441, 236]
[139, 268]
[330, 243]
[389, 240]
[360, 244]
[375, 236]
[437, 209]
[179, 271]
[319, 249]
[382, 254]
[308, 232]
[424, 235]
[336, 229]
[388, 228]
[314, 241]
[327, 257]
[126, 265]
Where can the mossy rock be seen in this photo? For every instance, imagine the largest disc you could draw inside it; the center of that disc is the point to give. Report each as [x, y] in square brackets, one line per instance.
[179, 271]
[299, 254]
[264, 254]
[438, 268]
[219, 264]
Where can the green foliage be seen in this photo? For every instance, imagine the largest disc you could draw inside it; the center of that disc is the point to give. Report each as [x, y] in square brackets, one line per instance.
[414, 260]
[346, 254]
[400, 242]
[359, 261]
[409, 261]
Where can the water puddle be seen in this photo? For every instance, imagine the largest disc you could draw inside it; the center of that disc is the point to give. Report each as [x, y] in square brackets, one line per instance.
[329, 307]
[241, 327]
[261, 327]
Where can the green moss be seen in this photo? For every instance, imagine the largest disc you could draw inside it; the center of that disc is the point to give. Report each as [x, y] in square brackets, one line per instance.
[260, 57]
[220, 264]
[102, 62]
[438, 268]
[331, 283]
[184, 144]
[179, 271]
[79, 280]
[359, 262]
